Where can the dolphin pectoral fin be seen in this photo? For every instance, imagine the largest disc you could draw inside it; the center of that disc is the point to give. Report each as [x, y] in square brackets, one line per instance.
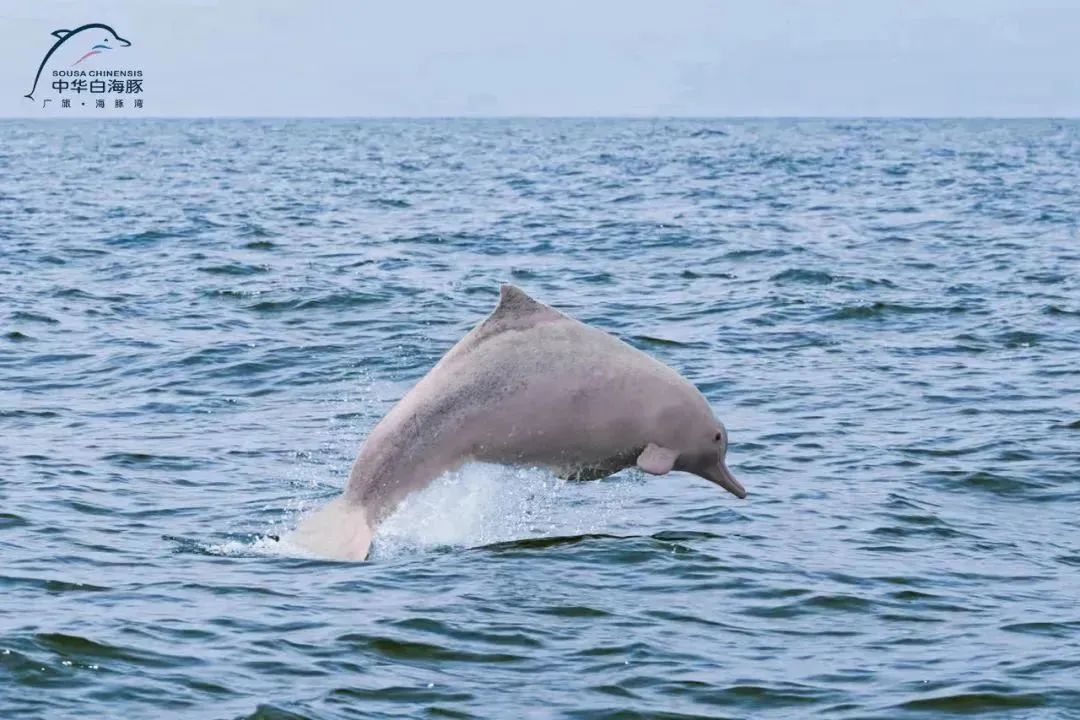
[656, 459]
[60, 33]
[338, 530]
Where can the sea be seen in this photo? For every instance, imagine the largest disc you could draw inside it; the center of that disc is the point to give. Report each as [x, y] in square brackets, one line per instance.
[201, 320]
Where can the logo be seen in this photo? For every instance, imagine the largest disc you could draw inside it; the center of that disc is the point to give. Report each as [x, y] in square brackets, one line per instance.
[71, 63]
[93, 38]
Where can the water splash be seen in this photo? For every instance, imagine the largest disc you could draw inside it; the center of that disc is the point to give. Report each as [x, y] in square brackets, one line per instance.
[482, 504]
[478, 505]
[267, 545]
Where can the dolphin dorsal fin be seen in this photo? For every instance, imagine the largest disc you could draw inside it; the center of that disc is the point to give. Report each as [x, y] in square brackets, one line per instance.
[515, 311]
[61, 33]
[515, 301]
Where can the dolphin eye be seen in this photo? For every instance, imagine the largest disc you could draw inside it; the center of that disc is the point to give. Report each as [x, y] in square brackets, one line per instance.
[719, 437]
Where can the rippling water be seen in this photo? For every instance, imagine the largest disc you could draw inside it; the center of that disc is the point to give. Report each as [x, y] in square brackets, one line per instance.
[202, 320]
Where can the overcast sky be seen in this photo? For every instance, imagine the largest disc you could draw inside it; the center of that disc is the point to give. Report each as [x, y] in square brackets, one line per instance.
[565, 57]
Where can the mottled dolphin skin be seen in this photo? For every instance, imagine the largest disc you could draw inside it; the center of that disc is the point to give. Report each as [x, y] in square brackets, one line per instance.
[527, 386]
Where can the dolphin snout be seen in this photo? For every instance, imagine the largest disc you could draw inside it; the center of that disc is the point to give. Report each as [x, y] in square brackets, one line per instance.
[122, 40]
[720, 475]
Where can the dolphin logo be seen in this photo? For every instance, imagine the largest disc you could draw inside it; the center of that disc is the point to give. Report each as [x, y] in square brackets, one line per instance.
[101, 37]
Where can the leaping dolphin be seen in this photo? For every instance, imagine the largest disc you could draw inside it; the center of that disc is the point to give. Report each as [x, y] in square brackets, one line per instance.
[101, 37]
[527, 386]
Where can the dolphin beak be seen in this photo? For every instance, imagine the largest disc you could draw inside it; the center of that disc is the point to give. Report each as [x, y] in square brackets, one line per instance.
[126, 43]
[720, 475]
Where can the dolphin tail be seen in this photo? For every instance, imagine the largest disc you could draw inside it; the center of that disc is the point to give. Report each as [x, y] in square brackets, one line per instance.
[29, 95]
[338, 530]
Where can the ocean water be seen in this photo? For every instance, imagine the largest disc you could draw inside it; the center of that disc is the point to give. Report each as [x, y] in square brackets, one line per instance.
[200, 321]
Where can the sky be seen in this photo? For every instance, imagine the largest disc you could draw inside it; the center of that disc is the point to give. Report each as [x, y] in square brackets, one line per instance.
[330, 58]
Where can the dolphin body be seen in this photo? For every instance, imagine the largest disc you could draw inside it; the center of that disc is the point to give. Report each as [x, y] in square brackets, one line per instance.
[109, 40]
[527, 386]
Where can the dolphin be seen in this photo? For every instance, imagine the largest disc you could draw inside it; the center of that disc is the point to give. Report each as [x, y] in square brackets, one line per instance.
[527, 386]
[100, 37]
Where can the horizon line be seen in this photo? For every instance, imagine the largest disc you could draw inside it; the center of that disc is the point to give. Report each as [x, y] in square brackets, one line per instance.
[128, 116]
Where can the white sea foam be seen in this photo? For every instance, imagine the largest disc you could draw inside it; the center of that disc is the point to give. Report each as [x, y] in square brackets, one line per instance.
[477, 505]
[481, 504]
[263, 546]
